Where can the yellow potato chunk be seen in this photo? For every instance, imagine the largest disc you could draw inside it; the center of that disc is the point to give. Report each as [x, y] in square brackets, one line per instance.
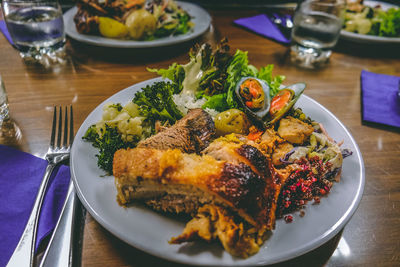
[112, 28]
[231, 121]
[139, 23]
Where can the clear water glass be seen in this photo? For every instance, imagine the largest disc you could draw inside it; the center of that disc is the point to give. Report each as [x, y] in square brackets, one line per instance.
[317, 25]
[37, 29]
[4, 112]
[10, 133]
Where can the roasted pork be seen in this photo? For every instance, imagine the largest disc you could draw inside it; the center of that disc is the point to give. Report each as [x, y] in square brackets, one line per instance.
[191, 134]
[150, 174]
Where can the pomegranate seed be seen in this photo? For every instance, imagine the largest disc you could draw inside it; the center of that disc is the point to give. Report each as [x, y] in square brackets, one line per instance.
[288, 218]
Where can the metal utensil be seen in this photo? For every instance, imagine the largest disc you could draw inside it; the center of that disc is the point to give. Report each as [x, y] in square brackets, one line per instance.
[283, 22]
[60, 250]
[24, 252]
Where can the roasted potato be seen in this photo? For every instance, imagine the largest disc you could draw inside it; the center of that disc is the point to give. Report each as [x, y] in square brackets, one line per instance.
[140, 23]
[232, 121]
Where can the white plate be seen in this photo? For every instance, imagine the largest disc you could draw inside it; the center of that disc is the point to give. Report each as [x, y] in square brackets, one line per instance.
[371, 39]
[150, 231]
[200, 18]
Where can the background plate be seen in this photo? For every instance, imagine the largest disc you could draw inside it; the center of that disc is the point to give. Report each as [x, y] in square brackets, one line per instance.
[200, 17]
[150, 231]
[371, 39]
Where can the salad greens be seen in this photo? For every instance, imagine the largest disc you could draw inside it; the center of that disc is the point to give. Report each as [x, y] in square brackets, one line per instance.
[210, 75]
[372, 21]
[171, 19]
[214, 75]
[180, 24]
[386, 23]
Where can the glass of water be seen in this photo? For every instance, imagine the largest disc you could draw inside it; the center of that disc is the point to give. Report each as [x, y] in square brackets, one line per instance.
[317, 25]
[10, 133]
[37, 29]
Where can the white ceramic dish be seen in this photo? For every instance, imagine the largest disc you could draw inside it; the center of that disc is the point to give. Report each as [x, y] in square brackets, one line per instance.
[150, 231]
[201, 19]
[371, 39]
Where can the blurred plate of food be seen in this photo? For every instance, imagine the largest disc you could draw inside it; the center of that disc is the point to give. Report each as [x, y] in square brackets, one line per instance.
[135, 23]
[371, 22]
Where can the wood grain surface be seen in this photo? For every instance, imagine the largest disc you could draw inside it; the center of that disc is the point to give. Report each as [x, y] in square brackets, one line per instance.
[92, 74]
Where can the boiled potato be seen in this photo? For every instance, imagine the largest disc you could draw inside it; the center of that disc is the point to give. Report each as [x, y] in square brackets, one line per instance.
[139, 23]
[112, 28]
[351, 26]
[363, 26]
[232, 121]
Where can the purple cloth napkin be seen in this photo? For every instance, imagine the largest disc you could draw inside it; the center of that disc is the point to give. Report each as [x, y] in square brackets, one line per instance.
[3, 29]
[261, 24]
[20, 177]
[381, 103]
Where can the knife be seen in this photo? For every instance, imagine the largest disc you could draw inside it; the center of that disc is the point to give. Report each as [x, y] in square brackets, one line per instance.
[65, 245]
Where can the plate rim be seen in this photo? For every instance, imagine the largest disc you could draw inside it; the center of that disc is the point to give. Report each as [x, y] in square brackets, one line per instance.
[307, 247]
[372, 39]
[116, 43]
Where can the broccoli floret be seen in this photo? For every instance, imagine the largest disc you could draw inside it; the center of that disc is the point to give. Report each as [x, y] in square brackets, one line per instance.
[117, 106]
[108, 143]
[155, 103]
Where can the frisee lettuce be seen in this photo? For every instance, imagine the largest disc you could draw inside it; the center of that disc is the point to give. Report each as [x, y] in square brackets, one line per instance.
[220, 73]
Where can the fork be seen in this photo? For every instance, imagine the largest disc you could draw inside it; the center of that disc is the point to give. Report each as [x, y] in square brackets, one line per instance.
[23, 254]
[284, 23]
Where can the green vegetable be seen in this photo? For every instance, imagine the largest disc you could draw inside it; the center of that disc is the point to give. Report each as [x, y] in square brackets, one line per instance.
[238, 68]
[175, 73]
[215, 73]
[108, 143]
[155, 103]
[117, 106]
[374, 21]
[386, 23]
[274, 82]
[217, 102]
[179, 24]
[213, 68]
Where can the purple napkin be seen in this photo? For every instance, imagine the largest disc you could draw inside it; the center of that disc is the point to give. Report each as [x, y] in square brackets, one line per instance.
[3, 29]
[381, 103]
[20, 177]
[261, 24]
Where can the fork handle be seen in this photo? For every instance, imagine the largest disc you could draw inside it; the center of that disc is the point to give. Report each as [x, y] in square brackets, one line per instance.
[25, 250]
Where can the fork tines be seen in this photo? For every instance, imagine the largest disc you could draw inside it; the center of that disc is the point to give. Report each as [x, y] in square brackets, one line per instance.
[68, 136]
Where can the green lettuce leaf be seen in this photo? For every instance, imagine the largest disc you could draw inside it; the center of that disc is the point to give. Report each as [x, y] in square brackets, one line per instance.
[274, 82]
[217, 102]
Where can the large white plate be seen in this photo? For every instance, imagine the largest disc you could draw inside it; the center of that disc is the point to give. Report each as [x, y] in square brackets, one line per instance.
[150, 231]
[201, 19]
[371, 39]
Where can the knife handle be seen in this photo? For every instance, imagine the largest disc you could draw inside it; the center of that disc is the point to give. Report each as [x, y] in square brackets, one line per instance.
[60, 250]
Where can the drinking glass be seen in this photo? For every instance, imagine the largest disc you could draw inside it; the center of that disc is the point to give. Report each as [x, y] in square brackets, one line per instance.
[317, 25]
[10, 133]
[37, 29]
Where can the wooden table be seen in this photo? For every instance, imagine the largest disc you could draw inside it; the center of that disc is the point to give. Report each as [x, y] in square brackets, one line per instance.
[372, 237]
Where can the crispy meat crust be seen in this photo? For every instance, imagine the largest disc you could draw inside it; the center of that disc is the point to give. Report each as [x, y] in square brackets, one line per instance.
[156, 172]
